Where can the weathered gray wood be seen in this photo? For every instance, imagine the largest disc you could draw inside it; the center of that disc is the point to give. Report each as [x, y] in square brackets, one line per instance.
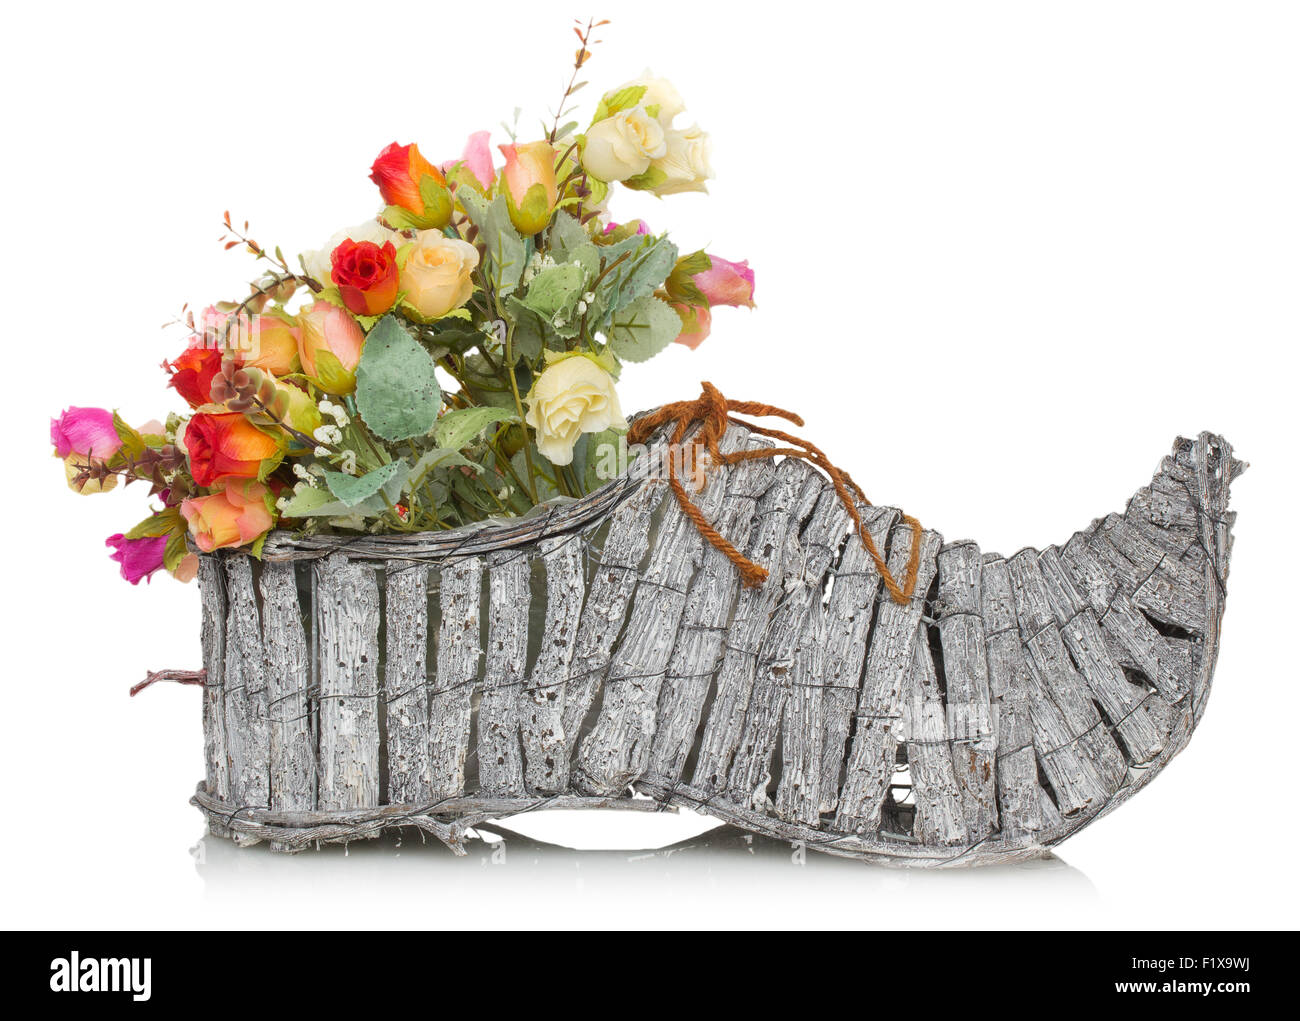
[500, 756]
[774, 547]
[406, 684]
[348, 608]
[890, 662]
[541, 705]
[969, 699]
[848, 621]
[1166, 586]
[293, 752]
[941, 817]
[1020, 797]
[617, 751]
[703, 629]
[247, 726]
[785, 701]
[212, 638]
[458, 661]
[1060, 682]
[608, 594]
[1141, 722]
[1215, 468]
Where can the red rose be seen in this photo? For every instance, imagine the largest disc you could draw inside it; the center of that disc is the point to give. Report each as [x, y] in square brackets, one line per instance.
[192, 374]
[366, 276]
[226, 446]
[398, 170]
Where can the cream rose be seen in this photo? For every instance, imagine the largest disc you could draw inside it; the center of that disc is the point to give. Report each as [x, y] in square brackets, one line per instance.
[317, 263]
[436, 276]
[570, 398]
[659, 92]
[623, 145]
[686, 164]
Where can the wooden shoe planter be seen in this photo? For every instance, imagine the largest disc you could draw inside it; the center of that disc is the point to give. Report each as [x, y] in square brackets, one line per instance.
[601, 655]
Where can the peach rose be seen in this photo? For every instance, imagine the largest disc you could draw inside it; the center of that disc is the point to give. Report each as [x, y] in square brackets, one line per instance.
[275, 346]
[234, 515]
[436, 276]
[329, 345]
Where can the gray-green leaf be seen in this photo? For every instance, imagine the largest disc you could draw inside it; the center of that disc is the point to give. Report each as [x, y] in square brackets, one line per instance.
[456, 428]
[352, 490]
[643, 329]
[505, 248]
[397, 392]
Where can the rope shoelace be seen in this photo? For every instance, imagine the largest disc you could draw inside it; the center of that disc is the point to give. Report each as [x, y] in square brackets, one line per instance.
[714, 412]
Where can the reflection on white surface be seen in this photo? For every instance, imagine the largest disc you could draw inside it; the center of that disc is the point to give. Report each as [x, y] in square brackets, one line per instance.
[740, 875]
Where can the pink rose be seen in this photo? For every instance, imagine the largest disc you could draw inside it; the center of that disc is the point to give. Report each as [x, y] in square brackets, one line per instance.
[727, 283]
[139, 558]
[697, 320]
[641, 227]
[477, 159]
[85, 431]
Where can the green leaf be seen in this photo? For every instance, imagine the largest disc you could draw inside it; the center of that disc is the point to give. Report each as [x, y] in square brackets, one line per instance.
[652, 178]
[311, 502]
[132, 442]
[352, 490]
[505, 248]
[643, 329]
[645, 270]
[175, 550]
[439, 458]
[618, 101]
[555, 291]
[165, 522]
[398, 394]
[456, 428]
[566, 235]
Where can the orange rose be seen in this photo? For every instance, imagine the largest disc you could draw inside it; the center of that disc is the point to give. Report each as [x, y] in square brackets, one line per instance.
[226, 446]
[329, 345]
[235, 515]
[398, 171]
[531, 190]
[275, 346]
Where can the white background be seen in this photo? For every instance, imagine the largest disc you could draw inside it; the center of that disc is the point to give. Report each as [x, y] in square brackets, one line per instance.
[1005, 253]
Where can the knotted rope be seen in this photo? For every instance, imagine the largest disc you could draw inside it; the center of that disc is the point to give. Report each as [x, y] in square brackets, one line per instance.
[713, 412]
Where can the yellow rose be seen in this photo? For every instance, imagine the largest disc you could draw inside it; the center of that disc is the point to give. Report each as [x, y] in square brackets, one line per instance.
[623, 145]
[436, 277]
[686, 164]
[571, 397]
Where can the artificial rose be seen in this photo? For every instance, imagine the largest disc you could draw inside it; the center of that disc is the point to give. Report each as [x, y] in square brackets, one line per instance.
[685, 165]
[139, 558]
[187, 568]
[660, 95]
[569, 398]
[366, 276]
[531, 190]
[727, 283]
[329, 346]
[436, 276]
[623, 145]
[192, 374]
[641, 227]
[398, 171]
[477, 159]
[697, 321]
[85, 431]
[275, 346]
[226, 446]
[236, 515]
[317, 261]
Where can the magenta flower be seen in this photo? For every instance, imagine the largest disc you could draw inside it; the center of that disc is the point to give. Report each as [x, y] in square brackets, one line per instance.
[85, 431]
[641, 227]
[139, 557]
[727, 283]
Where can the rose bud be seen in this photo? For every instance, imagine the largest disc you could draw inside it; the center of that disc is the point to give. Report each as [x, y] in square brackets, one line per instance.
[80, 434]
[409, 181]
[237, 514]
[329, 346]
[226, 446]
[697, 321]
[275, 345]
[531, 190]
[476, 161]
[727, 283]
[139, 558]
[366, 276]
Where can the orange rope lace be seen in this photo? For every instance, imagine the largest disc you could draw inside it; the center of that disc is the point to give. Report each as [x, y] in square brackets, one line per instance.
[713, 412]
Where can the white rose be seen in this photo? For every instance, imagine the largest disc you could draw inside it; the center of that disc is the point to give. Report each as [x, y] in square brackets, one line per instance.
[317, 262]
[623, 145]
[659, 92]
[686, 163]
[570, 398]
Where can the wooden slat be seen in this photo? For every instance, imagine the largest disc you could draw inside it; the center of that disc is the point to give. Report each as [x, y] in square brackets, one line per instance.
[1020, 796]
[1141, 722]
[406, 685]
[500, 756]
[613, 582]
[450, 708]
[969, 700]
[1059, 680]
[212, 635]
[247, 730]
[703, 631]
[541, 705]
[348, 619]
[293, 751]
[849, 618]
[940, 813]
[774, 546]
[617, 751]
[890, 662]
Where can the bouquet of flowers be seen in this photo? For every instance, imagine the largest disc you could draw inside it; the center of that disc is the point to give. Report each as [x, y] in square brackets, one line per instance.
[452, 359]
